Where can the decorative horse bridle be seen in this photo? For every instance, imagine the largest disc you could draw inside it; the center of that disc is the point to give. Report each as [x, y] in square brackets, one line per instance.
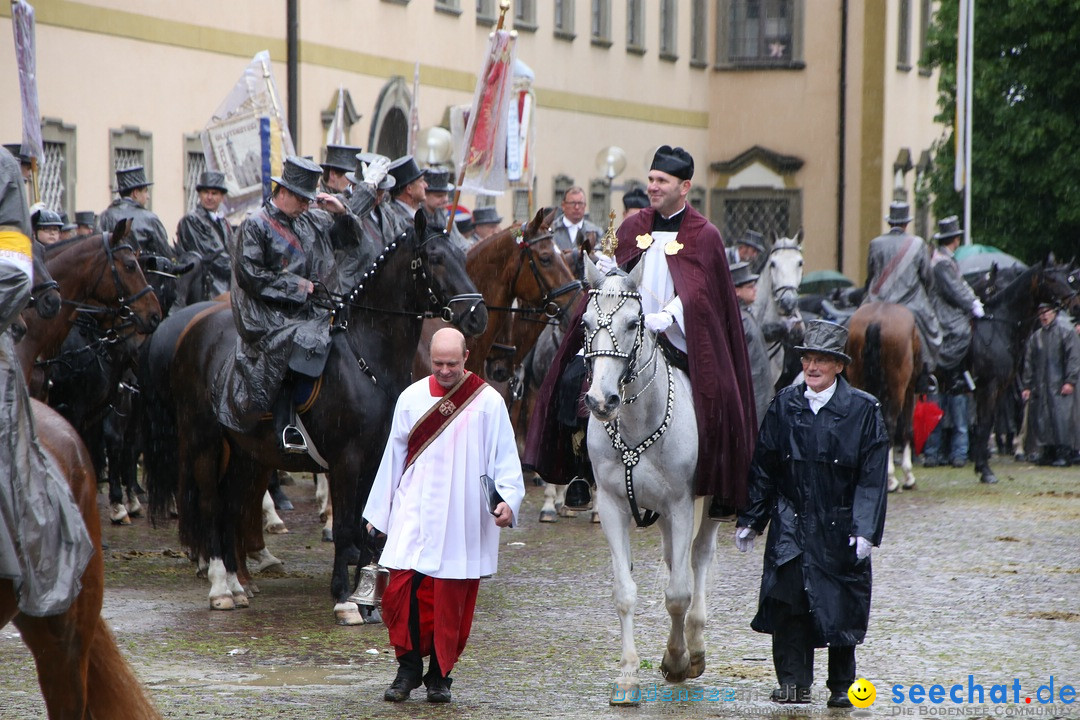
[630, 455]
[124, 311]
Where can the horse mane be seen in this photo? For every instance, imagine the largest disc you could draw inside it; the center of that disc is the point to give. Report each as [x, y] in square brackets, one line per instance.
[1014, 298]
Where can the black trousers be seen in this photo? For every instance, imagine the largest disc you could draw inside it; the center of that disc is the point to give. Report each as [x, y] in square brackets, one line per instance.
[794, 637]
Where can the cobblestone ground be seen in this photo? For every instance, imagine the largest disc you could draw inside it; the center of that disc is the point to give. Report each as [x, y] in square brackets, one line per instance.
[971, 580]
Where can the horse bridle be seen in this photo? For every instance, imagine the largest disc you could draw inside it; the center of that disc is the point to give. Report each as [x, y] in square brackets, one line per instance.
[124, 311]
[603, 322]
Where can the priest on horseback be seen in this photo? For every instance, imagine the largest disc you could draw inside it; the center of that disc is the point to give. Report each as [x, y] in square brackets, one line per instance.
[279, 255]
[898, 271]
[689, 302]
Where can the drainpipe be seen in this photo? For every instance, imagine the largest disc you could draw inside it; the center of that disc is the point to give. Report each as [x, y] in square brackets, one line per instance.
[292, 33]
[842, 137]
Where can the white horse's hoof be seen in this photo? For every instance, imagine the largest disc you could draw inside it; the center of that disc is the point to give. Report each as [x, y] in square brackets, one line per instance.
[327, 535]
[240, 600]
[118, 514]
[263, 561]
[548, 516]
[252, 589]
[894, 484]
[625, 693]
[909, 485]
[675, 671]
[347, 613]
[134, 507]
[697, 665]
[223, 602]
[277, 528]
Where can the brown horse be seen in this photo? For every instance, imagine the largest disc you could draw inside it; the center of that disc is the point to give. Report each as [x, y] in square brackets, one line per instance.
[523, 279]
[98, 275]
[884, 344]
[80, 669]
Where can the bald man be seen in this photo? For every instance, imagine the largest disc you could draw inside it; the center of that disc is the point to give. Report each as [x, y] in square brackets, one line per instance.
[450, 478]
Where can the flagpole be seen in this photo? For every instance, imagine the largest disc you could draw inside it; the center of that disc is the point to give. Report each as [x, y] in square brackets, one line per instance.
[504, 6]
[970, 76]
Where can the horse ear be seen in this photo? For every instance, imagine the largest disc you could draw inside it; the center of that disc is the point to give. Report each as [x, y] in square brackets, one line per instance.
[420, 222]
[120, 231]
[637, 273]
[593, 276]
[549, 216]
[799, 238]
[536, 224]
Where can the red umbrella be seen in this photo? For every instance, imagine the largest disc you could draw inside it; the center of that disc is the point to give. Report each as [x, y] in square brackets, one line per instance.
[927, 416]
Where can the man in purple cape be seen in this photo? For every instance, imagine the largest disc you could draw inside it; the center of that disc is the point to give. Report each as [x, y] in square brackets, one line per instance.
[689, 301]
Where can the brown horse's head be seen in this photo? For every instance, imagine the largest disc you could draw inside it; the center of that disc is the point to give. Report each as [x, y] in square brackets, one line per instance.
[543, 280]
[122, 285]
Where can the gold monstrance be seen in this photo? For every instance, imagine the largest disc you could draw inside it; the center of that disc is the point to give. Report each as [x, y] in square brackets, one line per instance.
[610, 242]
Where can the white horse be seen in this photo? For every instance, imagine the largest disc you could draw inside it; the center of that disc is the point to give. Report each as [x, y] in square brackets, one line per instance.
[778, 295]
[642, 441]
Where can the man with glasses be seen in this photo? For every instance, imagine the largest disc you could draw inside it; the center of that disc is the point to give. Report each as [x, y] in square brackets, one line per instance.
[571, 230]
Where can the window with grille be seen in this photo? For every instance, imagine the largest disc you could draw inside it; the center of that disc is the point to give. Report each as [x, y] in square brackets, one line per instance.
[451, 7]
[668, 30]
[635, 26]
[903, 47]
[698, 25]
[521, 205]
[564, 19]
[559, 185]
[599, 202]
[525, 15]
[764, 210]
[56, 172]
[194, 166]
[926, 13]
[759, 33]
[130, 146]
[485, 12]
[600, 20]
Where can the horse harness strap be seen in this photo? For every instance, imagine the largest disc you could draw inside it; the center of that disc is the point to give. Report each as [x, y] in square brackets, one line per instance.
[631, 455]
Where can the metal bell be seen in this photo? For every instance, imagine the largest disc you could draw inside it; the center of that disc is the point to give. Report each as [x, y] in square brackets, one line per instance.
[373, 581]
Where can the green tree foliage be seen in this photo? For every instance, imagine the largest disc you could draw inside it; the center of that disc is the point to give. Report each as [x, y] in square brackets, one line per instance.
[1026, 125]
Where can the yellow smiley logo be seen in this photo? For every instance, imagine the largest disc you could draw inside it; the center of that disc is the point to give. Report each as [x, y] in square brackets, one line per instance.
[862, 693]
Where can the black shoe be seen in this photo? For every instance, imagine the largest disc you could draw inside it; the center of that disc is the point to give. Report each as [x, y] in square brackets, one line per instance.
[839, 700]
[930, 461]
[439, 691]
[578, 495]
[721, 512]
[399, 689]
[958, 462]
[292, 441]
[791, 695]
[1060, 462]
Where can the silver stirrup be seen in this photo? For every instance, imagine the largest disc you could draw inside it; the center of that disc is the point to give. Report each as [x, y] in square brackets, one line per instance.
[293, 448]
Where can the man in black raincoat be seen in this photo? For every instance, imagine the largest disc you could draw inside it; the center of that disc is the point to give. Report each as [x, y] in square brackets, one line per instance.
[818, 480]
[1051, 373]
[134, 191]
[207, 231]
[281, 251]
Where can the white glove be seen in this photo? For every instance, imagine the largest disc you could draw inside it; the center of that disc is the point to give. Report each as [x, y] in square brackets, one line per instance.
[375, 171]
[744, 538]
[862, 547]
[605, 264]
[659, 322]
[977, 308]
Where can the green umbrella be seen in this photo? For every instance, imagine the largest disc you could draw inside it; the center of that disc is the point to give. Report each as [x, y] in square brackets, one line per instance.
[821, 282]
[975, 249]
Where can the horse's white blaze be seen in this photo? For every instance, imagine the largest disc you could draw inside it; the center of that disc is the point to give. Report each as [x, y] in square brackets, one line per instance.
[662, 481]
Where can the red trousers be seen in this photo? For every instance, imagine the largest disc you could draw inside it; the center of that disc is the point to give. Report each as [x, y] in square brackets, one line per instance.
[444, 610]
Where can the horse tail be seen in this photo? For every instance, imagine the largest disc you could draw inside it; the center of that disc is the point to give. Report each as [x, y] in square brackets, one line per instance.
[161, 437]
[113, 690]
[873, 371]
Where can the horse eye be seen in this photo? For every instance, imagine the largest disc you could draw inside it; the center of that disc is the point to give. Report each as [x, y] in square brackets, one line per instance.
[130, 265]
[633, 323]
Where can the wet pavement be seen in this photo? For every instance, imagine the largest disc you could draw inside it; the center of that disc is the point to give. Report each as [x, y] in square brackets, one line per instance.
[971, 580]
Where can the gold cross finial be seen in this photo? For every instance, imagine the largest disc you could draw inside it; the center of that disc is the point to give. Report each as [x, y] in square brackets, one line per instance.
[610, 242]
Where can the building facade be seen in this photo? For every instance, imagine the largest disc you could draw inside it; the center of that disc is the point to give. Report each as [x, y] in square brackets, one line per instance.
[799, 114]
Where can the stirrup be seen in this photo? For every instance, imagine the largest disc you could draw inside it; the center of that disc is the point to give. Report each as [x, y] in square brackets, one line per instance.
[289, 444]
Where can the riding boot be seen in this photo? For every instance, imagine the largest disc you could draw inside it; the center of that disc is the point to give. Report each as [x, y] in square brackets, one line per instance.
[281, 500]
[292, 440]
[719, 511]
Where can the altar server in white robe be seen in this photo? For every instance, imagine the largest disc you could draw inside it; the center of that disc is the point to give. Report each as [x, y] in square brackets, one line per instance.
[442, 536]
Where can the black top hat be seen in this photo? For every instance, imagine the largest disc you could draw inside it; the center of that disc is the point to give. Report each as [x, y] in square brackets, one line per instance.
[673, 161]
[741, 274]
[635, 198]
[753, 239]
[357, 176]
[47, 218]
[948, 228]
[486, 216]
[212, 180]
[439, 181]
[131, 178]
[463, 219]
[300, 176]
[825, 337]
[85, 217]
[16, 150]
[405, 170]
[1046, 306]
[899, 213]
[340, 157]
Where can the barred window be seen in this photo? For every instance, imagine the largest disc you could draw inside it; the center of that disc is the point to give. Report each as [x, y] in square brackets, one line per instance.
[194, 166]
[485, 12]
[56, 173]
[903, 40]
[559, 185]
[130, 146]
[521, 205]
[759, 33]
[764, 210]
[599, 201]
